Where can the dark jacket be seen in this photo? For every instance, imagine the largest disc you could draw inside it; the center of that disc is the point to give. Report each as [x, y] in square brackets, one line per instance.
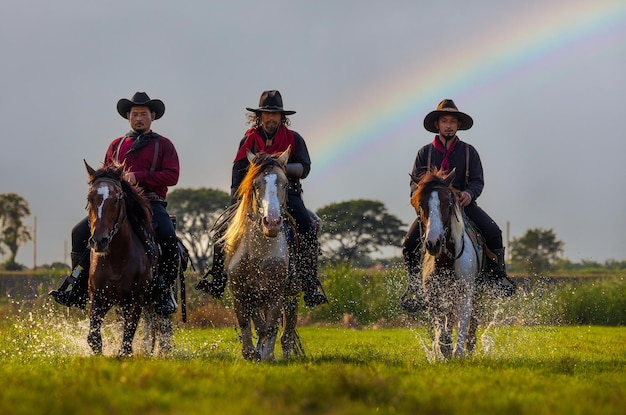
[165, 159]
[475, 180]
[300, 155]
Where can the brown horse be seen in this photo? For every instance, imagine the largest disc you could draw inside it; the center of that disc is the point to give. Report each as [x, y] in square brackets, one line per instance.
[257, 260]
[450, 266]
[122, 253]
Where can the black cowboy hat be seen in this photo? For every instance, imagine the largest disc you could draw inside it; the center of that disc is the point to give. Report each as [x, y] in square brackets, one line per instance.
[271, 101]
[447, 107]
[141, 99]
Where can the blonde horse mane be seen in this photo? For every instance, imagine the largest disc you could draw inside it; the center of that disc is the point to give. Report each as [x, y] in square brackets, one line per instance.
[246, 201]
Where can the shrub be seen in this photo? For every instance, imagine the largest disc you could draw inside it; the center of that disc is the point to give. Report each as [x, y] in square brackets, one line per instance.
[596, 302]
[368, 295]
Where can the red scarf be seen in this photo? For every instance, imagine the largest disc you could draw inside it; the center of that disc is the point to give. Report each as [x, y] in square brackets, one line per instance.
[445, 164]
[283, 139]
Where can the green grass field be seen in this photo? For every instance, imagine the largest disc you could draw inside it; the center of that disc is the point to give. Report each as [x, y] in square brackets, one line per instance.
[46, 367]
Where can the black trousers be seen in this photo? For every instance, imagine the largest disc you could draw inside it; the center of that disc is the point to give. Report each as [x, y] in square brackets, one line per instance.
[296, 208]
[486, 226]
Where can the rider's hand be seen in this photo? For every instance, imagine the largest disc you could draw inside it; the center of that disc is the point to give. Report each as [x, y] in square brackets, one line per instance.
[465, 199]
[129, 176]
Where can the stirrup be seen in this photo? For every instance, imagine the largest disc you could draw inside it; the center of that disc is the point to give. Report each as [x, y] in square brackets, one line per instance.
[165, 303]
[505, 287]
[67, 299]
[61, 297]
[312, 299]
[414, 300]
[211, 287]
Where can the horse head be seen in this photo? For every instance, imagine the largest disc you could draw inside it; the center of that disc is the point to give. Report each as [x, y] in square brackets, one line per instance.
[269, 189]
[105, 205]
[435, 203]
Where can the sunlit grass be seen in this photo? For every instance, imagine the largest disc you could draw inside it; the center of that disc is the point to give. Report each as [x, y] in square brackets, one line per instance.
[46, 368]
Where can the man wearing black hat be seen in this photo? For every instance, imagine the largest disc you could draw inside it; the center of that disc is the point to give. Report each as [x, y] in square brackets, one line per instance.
[151, 162]
[447, 152]
[269, 133]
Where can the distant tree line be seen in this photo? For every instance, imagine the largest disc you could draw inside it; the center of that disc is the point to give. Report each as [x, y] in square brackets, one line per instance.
[13, 232]
[351, 232]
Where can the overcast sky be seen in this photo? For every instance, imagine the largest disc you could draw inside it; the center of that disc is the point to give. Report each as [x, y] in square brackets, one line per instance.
[543, 80]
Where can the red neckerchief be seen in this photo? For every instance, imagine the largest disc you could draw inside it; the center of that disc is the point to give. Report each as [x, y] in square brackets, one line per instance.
[282, 140]
[445, 164]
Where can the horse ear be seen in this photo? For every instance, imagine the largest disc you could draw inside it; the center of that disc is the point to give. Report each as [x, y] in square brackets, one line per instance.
[250, 155]
[284, 156]
[414, 178]
[90, 170]
[449, 178]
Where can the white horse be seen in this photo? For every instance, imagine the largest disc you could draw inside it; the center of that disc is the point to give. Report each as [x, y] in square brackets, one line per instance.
[257, 259]
[451, 262]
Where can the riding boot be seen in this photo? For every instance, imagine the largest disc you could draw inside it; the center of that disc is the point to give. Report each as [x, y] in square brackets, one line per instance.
[504, 285]
[165, 297]
[215, 286]
[413, 299]
[307, 263]
[73, 290]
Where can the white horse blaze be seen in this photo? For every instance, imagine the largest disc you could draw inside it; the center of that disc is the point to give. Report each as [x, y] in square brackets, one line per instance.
[435, 222]
[103, 191]
[270, 203]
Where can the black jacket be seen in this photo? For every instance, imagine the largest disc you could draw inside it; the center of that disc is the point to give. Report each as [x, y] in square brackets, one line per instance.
[300, 155]
[475, 180]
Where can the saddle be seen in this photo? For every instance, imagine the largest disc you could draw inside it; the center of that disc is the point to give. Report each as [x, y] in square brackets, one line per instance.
[478, 241]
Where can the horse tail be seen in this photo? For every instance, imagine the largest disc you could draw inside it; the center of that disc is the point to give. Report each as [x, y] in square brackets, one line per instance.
[297, 343]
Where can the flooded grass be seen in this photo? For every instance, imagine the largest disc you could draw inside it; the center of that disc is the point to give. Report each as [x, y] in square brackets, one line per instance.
[47, 367]
[544, 351]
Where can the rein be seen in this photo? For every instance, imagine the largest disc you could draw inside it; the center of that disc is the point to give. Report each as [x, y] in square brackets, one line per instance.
[256, 201]
[121, 215]
[447, 226]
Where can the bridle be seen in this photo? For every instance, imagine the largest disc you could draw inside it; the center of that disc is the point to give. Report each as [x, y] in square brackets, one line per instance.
[447, 224]
[256, 201]
[121, 213]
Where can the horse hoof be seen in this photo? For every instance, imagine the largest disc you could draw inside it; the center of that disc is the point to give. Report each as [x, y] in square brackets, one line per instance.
[252, 355]
[314, 299]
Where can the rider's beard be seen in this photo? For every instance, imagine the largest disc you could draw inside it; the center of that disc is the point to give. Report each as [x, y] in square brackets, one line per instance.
[447, 136]
[270, 129]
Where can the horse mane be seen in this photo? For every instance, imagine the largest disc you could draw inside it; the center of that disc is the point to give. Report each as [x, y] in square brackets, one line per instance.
[430, 179]
[138, 207]
[245, 196]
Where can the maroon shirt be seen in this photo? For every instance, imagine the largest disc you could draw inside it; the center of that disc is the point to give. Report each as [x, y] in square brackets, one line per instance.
[166, 168]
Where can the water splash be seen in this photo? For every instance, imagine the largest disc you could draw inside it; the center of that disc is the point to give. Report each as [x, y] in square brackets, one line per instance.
[51, 331]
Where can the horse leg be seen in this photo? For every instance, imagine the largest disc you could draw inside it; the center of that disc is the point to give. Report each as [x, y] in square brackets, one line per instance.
[465, 315]
[474, 321]
[266, 323]
[441, 332]
[131, 314]
[248, 350]
[445, 337]
[471, 334]
[244, 320]
[96, 314]
[258, 319]
[289, 339]
[149, 335]
[165, 331]
[267, 340]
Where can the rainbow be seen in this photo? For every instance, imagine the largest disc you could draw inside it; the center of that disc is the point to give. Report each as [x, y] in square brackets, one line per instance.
[539, 39]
